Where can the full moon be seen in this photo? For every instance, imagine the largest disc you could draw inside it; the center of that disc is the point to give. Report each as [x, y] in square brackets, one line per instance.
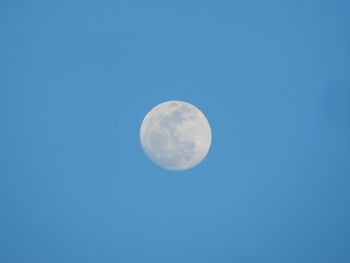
[175, 135]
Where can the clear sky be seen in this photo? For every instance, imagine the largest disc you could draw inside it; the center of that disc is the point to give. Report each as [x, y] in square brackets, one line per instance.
[76, 80]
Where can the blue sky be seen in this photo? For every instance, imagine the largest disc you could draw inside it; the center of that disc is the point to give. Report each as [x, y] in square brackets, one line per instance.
[76, 80]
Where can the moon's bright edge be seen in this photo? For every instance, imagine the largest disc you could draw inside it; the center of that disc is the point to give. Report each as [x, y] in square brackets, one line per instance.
[175, 135]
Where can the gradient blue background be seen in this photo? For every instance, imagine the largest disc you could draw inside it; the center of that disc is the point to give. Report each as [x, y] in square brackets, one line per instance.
[77, 78]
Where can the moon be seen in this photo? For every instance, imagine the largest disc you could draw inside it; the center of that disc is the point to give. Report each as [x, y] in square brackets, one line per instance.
[175, 135]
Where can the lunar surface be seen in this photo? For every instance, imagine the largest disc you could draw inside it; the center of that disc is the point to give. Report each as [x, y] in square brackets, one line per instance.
[175, 135]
